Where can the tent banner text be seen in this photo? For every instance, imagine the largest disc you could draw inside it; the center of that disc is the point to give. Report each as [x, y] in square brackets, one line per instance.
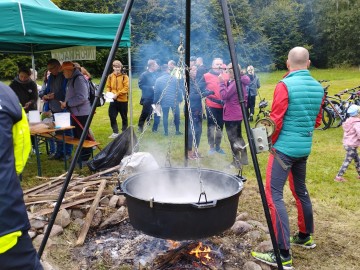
[74, 53]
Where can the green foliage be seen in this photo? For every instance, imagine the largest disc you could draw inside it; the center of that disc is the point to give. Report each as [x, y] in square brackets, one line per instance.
[263, 31]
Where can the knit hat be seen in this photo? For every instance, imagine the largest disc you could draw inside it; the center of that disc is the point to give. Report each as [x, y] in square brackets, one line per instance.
[67, 65]
[353, 110]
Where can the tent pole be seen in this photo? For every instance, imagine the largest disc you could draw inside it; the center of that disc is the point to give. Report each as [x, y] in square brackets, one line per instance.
[225, 12]
[187, 77]
[131, 99]
[111, 56]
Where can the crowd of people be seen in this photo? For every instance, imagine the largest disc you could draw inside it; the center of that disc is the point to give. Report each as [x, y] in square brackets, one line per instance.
[296, 111]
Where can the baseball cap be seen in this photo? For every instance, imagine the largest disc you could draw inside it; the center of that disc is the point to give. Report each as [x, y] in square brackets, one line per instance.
[353, 110]
[67, 65]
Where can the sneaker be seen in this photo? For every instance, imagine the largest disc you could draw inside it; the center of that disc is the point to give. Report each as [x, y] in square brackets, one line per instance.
[51, 156]
[140, 129]
[67, 157]
[212, 151]
[270, 259]
[113, 136]
[178, 133]
[220, 151]
[339, 179]
[307, 243]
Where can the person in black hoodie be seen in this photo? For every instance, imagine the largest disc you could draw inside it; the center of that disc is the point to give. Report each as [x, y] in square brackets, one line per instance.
[25, 89]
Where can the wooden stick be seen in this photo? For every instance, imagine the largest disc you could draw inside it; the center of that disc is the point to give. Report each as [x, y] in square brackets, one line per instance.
[90, 215]
[45, 184]
[101, 173]
[63, 206]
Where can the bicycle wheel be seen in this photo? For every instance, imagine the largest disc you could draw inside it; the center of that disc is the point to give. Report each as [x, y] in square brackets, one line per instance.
[326, 119]
[335, 109]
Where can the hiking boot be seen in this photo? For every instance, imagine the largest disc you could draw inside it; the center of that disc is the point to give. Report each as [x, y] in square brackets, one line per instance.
[307, 242]
[339, 179]
[270, 259]
[113, 136]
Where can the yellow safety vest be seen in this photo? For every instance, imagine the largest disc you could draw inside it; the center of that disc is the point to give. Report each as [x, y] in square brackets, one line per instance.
[22, 142]
[8, 241]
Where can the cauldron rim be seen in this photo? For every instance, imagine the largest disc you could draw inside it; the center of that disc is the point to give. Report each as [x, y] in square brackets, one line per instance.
[133, 177]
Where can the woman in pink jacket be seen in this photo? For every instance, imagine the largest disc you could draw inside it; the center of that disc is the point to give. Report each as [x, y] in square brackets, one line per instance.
[233, 116]
[351, 142]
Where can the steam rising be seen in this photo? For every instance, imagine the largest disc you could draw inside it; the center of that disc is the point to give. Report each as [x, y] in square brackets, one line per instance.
[181, 185]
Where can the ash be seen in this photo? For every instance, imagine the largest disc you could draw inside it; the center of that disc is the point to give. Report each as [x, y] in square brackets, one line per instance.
[122, 245]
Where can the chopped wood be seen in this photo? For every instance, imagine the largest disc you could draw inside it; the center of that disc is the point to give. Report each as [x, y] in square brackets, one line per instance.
[90, 214]
[45, 184]
[63, 206]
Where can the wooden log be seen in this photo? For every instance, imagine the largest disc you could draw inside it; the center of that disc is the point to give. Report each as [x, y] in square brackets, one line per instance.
[63, 206]
[98, 174]
[46, 185]
[85, 228]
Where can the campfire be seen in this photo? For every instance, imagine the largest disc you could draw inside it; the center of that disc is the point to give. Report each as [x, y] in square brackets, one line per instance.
[189, 255]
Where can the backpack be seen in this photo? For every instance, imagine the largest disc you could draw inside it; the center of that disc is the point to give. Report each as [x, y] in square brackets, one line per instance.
[93, 92]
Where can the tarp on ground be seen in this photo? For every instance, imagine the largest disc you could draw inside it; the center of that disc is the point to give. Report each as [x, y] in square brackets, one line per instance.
[29, 26]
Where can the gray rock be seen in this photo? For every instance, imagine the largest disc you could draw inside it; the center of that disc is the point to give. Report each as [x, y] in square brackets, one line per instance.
[242, 216]
[241, 227]
[55, 230]
[37, 224]
[62, 218]
[115, 218]
[79, 222]
[113, 201]
[97, 218]
[104, 201]
[32, 234]
[254, 235]
[77, 213]
[264, 246]
[121, 201]
[250, 265]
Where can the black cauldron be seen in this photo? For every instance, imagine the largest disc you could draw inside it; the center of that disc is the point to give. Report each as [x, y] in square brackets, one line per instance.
[172, 203]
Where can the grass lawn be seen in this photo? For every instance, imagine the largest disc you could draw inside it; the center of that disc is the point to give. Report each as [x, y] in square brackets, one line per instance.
[335, 205]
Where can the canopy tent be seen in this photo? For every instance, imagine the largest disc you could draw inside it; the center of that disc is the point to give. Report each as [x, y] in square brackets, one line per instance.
[29, 26]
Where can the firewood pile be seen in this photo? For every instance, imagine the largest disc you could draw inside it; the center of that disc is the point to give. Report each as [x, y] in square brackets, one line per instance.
[82, 193]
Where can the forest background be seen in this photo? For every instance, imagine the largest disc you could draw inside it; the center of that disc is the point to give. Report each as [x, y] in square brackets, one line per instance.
[264, 31]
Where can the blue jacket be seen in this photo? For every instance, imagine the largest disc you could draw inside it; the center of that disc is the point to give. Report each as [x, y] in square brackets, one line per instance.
[305, 97]
[169, 89]
[13, 216]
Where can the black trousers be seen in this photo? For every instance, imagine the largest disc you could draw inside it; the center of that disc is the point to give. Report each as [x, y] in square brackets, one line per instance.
[85, 152]
[22, 256]
[115, 108]
[146, 112]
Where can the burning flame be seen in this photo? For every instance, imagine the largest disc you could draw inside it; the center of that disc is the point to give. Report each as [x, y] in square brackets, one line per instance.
[173, 244]
[201, 252]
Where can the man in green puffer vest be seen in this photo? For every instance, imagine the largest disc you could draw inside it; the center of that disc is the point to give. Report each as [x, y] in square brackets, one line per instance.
[296, 111]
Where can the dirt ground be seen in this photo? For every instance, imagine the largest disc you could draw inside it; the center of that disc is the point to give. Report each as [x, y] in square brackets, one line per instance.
[122, 247]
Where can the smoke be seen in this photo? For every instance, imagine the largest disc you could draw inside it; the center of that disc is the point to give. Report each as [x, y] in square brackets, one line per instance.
[182, 185]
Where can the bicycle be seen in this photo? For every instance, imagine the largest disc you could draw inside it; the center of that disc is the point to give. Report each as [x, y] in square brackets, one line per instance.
[335, 109]
[262, 110]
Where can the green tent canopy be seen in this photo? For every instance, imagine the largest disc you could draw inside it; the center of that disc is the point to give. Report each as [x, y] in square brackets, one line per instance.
[29, 26]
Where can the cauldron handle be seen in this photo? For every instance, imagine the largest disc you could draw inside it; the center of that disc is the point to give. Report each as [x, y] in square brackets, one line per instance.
[204, 205]
[118, 191]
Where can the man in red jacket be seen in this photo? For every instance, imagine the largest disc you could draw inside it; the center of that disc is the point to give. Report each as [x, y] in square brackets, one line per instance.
[214, 106]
